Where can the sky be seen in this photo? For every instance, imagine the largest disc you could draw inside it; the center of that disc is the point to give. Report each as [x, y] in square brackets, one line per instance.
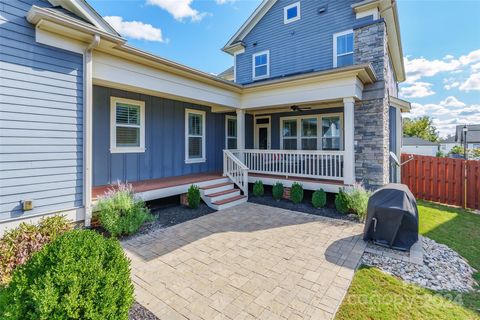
[440, 38]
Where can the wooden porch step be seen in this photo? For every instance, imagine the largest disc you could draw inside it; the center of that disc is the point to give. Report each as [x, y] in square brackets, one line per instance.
[216, 186]
[221, 193]
[228, 200]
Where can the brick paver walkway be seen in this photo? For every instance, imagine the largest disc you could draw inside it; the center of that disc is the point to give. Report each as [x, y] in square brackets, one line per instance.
[246, 262]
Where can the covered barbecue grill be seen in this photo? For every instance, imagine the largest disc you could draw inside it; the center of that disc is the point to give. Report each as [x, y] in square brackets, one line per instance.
[392, 217]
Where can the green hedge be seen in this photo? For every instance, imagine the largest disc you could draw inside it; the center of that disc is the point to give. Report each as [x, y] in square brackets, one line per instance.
[193, 197]
[258, 189]
[296, 193]
[277, 191]
[319, 199]
[81, 275]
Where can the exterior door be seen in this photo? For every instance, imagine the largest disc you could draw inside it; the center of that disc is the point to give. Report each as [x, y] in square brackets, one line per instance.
[263, 138]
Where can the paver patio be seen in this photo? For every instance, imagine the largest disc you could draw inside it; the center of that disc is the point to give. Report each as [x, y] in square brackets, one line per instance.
[246, 262]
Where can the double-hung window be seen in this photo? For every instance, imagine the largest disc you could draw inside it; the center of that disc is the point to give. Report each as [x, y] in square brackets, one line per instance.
[343, 49]
[289, 134]
[261, 65]
[291, 13]
[309, 133]
[231, 132]
[127, 128]
[331, 133]
[194, 136]
[312, 132]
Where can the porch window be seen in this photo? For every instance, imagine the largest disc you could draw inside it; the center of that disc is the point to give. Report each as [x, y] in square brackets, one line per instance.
[231, 132]
[309, 134]
[194, 136]
[331, 133]
[313, 132]
[261, 65]
[127, 130]
[343, 49]
[289, 134]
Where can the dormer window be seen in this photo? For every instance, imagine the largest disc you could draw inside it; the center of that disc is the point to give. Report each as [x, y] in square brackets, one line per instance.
[261, 65]
[343, 49]
[291, 13]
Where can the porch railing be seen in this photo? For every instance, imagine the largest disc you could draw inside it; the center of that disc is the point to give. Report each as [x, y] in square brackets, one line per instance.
[294, 163]
[235, 170]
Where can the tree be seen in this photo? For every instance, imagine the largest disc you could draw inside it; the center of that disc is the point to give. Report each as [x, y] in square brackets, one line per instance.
[420, 127]
[457, 150]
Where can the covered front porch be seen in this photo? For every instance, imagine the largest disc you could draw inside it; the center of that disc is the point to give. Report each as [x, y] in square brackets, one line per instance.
[312, 145]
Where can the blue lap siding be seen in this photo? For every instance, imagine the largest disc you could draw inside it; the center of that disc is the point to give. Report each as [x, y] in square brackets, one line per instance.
[41, 114]
[164, 154]
[301, 46]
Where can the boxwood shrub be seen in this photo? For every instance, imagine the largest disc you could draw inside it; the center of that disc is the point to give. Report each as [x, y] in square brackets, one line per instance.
[277, 191]
[319, 199]
[353, 200]
[81, 275]
[193, 197]
[296, 193]
[120, 212]
[258, 189]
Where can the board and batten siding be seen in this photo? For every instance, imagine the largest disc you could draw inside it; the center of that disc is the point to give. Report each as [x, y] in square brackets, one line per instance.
[301, 46]
[164, 154]
[41, 114]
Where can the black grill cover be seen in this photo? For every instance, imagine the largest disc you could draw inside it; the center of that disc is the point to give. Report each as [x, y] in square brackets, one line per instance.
[392, 217]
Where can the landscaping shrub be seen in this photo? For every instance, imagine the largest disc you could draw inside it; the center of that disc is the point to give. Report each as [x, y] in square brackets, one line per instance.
[296, 193]
[19, 244]
[193, 197]
[277, 191]
[319, 199]
[353, 200]
[341, 201]
[258, 189]
[120, 212]
[81, 275]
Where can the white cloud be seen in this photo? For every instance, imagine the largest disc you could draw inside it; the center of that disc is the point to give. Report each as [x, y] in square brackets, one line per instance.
[417, 90]
[451, 101]
[135, 29]
[225, 1]
[179, 9]
[420, 67]
[472, 83]
[476, 67]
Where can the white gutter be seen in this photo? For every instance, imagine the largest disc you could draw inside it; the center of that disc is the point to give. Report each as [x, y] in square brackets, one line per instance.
[87, 127]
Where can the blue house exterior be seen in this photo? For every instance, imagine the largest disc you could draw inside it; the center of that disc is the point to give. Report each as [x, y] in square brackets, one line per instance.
[312, 97]
[301, 46]
[41, 124]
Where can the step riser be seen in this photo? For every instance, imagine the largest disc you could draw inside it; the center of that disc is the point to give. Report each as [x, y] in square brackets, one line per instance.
[219, 189]
[224, 196]
[228, 205]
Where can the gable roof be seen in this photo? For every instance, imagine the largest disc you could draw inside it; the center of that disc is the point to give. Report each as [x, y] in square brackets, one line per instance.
[416, 141]
[81, 9]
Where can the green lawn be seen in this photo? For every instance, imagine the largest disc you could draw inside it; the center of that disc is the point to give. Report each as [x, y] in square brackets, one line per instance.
[375, 295]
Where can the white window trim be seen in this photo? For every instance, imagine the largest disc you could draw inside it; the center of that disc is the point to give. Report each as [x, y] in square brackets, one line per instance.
[335, 36]
[319, 131]
[113, 126]
[267, 52]
[227, 117]
[203, 158]
[285, 9]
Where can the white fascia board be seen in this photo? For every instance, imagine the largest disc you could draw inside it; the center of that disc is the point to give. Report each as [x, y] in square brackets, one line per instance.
[310, 92]
[125, 74]
[58, 41]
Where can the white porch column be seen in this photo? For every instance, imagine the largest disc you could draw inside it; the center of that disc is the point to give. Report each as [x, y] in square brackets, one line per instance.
[349, 132]
[240, 129]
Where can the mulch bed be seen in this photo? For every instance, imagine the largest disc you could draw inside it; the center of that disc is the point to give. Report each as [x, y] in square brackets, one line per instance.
[139, 312]
[305, 206]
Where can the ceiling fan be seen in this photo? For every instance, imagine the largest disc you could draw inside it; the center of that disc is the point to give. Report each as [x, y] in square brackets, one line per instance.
[297, 108]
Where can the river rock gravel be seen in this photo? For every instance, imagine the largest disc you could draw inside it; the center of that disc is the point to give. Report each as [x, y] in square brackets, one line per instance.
[442, 269]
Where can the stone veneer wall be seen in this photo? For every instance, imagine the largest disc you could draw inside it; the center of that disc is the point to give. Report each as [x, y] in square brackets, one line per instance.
[372, 113]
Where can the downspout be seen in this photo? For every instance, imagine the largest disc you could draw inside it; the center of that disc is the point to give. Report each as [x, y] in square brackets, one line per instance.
[87, 127]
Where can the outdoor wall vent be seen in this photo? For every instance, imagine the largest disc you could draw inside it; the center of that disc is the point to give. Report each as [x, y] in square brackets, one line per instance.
[322, 9]
[27, 205]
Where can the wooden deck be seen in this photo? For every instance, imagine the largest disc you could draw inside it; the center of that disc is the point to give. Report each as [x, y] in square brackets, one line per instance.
[162, 183]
